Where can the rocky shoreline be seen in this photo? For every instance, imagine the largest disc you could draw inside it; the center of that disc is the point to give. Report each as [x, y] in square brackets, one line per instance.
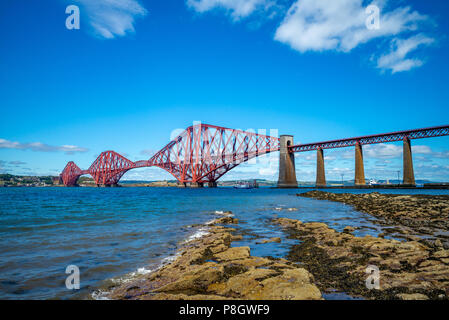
[339, 262]
[210, 269]
[425, 216]
[323, 261]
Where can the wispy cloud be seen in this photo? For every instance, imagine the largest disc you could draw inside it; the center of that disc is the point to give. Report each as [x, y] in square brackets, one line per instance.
[317, 25]
[38, 146]
[338, 25]
[396, 59]
[111, 18]
[238, 9]
[320, 25]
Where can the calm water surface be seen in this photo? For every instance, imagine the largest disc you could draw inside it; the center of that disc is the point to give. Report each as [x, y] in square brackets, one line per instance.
[111, 232]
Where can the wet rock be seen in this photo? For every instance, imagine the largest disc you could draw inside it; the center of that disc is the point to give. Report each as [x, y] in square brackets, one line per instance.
[278, 240]
[209, 269]
[412, 296]
[348, 229]
[339, 260]
[236, 238]
[294, 284]
[226, 220]
[419, 214]
[233, 254]
[438, 243]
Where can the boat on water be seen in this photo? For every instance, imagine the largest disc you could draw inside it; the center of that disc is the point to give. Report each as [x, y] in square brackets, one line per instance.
[246, 184]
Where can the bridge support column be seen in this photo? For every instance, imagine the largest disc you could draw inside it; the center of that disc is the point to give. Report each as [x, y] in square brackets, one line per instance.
[212, 184]
[408, 173]
[181, 185]
[287, 173]
[320, 173]
[196, 185]
[359, 169]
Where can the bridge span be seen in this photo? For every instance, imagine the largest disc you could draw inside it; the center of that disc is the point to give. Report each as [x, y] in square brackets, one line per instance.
[204, 153]
[288, 178]
[201, 154]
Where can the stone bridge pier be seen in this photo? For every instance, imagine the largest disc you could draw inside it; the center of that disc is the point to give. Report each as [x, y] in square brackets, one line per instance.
[287, 173]
[320, 173]
[359, 177]
[408, 174]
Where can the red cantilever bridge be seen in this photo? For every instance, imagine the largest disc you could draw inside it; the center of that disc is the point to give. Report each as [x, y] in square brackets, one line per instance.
[200, 154]
[203, 153]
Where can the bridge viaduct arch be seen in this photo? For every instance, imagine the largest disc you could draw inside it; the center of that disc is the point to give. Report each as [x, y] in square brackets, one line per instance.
[287, 174]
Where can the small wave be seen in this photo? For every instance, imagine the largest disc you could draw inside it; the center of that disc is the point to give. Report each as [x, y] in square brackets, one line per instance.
[224, 213]
[100, 295]
[198, 234]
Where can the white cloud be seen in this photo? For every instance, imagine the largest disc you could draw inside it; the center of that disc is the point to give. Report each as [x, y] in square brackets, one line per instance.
[111, 18]
[317, 25]
[320, 25]
[38, 146]
[388, 151]
[382, 151]
[237, 8]
[396, 58]
[422, 149]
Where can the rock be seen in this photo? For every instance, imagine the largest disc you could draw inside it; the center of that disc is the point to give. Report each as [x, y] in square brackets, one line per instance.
[167, 296]
[278, 240]
[226, 220]
[208, 269]
[339, 260]
[294, 284]
[195, 281]
[438, 243]
[422, 214]
[242, 284]
[233, 254]
[412, 296]
[441, 254]
[348, 229]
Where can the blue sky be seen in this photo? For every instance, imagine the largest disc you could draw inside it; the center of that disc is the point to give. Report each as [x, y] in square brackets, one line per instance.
[137, 70]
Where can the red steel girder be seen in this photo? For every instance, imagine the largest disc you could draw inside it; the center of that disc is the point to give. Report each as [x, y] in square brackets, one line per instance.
[109, 167]
[204, 153]
[372, 139]
[70, 174]
[201, 153]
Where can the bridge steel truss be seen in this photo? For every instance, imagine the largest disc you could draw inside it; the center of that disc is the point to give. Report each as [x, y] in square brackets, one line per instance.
[204, 153]
[201, 153]
[372, 139]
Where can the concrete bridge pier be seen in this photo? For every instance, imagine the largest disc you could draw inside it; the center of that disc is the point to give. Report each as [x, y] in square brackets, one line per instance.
[320, 173]
[181, 184]
[359, 169]
[212, 184]
[408, 173]
[287, 173]
[196, 185]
